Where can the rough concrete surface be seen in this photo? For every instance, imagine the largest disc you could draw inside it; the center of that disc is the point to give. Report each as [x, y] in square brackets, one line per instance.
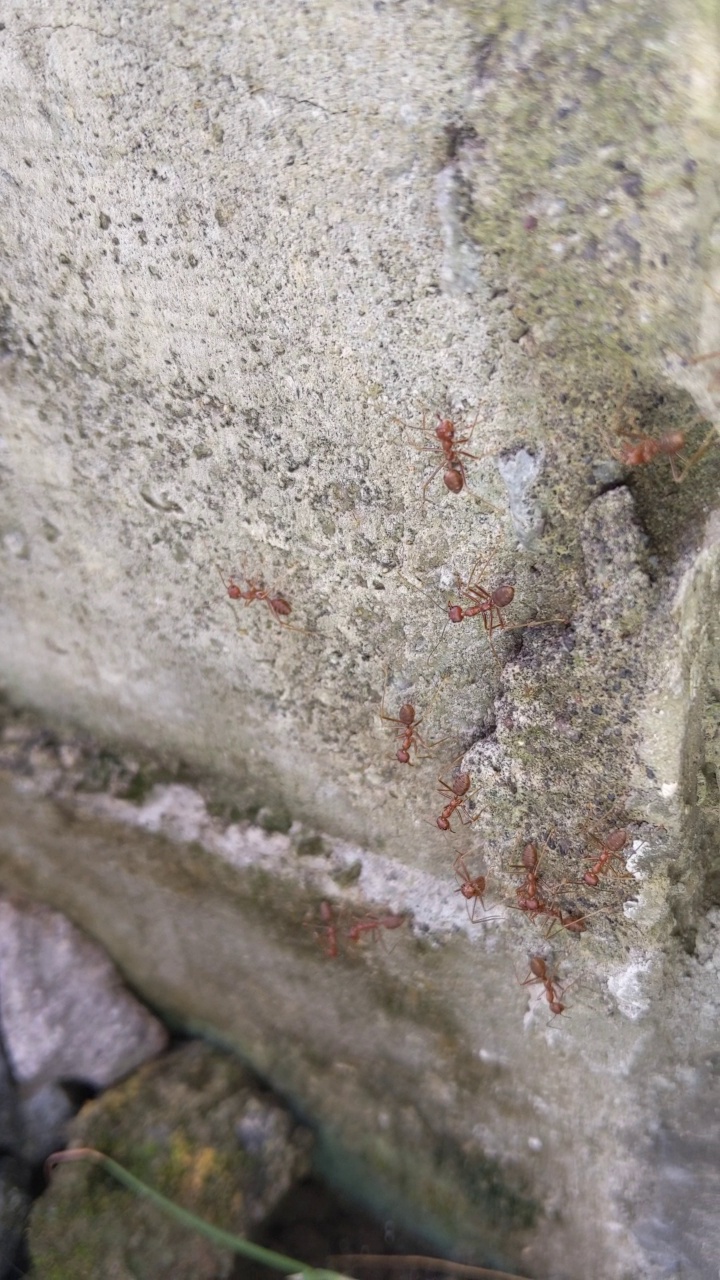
[246, 254]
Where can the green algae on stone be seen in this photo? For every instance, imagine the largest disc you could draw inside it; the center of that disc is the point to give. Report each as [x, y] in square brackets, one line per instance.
[193, 1126]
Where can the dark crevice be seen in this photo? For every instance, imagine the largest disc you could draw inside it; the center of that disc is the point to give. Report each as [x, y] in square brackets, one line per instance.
[456, 138]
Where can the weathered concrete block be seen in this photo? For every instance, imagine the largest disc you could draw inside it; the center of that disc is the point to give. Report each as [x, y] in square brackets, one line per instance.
[244, 253]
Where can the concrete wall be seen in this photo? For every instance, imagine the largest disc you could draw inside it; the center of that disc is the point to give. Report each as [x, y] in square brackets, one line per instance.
[243, 252]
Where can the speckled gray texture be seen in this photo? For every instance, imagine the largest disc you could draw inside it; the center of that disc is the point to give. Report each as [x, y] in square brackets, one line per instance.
[64, 1013]
[246, 258]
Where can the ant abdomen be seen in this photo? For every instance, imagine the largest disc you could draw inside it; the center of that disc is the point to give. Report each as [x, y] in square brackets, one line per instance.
[503, 596]
[453, 480]
[280, 606]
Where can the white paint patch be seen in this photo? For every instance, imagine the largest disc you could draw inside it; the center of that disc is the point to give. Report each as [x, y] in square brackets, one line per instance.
[632, 864]
[519, 472]
[432, 903]
[628, 989]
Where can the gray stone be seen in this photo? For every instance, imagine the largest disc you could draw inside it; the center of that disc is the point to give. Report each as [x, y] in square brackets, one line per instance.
[10, 1124]
[64, 1012]
[15, 1203]
[194, 1126]
[44, 1112]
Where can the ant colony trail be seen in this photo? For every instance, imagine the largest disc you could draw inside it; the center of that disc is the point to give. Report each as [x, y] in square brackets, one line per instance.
[559, 909]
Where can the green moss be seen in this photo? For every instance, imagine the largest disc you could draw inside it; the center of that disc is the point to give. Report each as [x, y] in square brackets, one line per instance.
[139, 787]
[608, 191]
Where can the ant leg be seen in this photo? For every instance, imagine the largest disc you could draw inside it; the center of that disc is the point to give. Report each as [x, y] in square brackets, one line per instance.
[699, 453]
[288, 626]
[531, 980]
[429, 482]
[709, 355]
[493, 619]
[465, 819]
[423, 431]
[486, 501]
[545, 622]
[381, 712]
[430, 746]
[477, 593]
[437, 646]
[474, 572]
[466, 439]
[301, 631]
[490, 626]
[424, 448]
[463, 453]
[494, 652]
[459, 465]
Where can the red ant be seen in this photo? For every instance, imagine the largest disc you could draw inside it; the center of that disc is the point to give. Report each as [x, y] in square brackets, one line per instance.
[539, 974]
[489, 605]
[643, 449]
[471, 888]
[255, 590]
[532, 901]
[528, 893]
[373, 924]
[408, 729]
[529, 861]
[326, 934]
[572, 922]
[279, 607]
[637, 450]
[612, 846]
[454, 474]
[458, 789]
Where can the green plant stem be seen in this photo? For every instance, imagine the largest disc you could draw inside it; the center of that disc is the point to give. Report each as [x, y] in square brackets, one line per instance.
[279, 1262]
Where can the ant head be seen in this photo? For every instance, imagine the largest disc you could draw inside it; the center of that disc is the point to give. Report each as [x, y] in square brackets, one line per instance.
[591, 879]
[443, 824]
[503, 596]
[453, 479]
[445, 430]
[233, 590]
[456, 613]
[402, 757]
[406, 714]
[556, 1007]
